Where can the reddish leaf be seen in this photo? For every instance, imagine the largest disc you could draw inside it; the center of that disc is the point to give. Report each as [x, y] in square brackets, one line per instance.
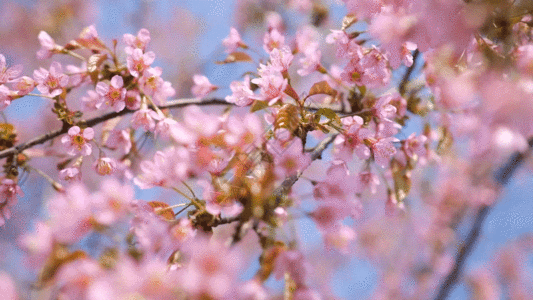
[291, 92]
[348, 21]
[236, 57]
[161, 208]
[93, 63]
[323, 88]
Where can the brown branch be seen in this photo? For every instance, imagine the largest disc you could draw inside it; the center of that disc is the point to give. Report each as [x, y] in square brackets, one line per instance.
[407, 74]
[502, 177]
[92, 122]
[285, 186]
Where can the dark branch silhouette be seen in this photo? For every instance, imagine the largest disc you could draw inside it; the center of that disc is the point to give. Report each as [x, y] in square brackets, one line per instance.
[502, 177]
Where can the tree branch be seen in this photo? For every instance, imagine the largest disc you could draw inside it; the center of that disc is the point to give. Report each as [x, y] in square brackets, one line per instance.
[285, 186]
[407, 74]
[502, 177]
[97, 120]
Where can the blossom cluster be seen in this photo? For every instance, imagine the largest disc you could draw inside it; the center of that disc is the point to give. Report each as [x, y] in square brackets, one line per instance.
[326, 138]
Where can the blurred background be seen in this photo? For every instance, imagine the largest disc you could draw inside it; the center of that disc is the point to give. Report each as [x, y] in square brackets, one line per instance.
[186, 37]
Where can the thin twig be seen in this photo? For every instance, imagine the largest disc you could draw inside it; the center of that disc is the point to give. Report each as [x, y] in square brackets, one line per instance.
[285, 186]
[407, 74]
[502, 177]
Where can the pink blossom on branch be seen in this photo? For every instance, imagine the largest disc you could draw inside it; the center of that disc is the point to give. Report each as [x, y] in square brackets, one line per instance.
[138, 61]
[8, 74]
[233, 41]
[136, 42]
[78, 141]
[202, 87]
[51, 82]
[112, 94]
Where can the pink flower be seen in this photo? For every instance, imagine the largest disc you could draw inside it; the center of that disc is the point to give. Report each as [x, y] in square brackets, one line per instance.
[163, 128]
[48, 46]
[38, 245]
[8, 74]
[202, 87]
[51, 83]
[375, 70]
[88, 38]
[136, 42]
[119, 140]
[310, 62]
[340, 238]
[383, 110]
[7, 287]
[233, 41]
[76, 277]
[24, 85]
[105, 166]
[218, 202]
[307, 38]
[272, 40]
[281, 59]
[352, 140]
[211, 270]
[9, 193]
[137, 62]
[414, 145]
[241, 92]
[112, 202]
[133, 100]
[71, 215]
[273, 20]
[68, 174]
[91, 102]
[77, 140]
[168, 168]
[6, 96]
[151, 80]
[392, 28]
[288, 157]
[78, 75]
[383, 150]
[367, 180]
[294, 263]
[145, 118]
[272, 84]
[113, 94]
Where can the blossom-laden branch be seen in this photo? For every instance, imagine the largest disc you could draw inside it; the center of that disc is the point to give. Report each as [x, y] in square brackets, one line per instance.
[502, 177]
[285, 186]
[97, 120]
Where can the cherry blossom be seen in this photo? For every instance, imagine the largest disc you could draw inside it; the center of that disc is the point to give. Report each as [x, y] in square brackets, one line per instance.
[8, 74]
[137, 42]
[52, 82]
[202, 87]
[241, 92]
[145, 118]
[48, 46]
[9, 193]
[120, 140]
[112, 94]
[233, 41]
[138, 61]
[77, 141]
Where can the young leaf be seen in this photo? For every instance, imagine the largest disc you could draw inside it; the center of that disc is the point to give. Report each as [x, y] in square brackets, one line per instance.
[323, 88]
[236, 57]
